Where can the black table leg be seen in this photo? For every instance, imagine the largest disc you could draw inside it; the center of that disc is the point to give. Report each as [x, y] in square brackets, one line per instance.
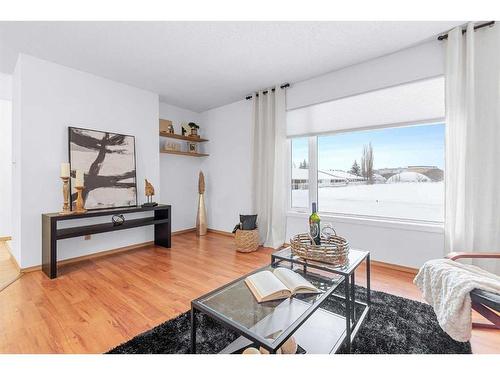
[193, 330]
[353, 296]
[368, 290]
[347, 314]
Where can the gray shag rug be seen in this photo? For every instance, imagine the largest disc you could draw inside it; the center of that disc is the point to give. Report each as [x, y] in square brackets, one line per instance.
[396, 326]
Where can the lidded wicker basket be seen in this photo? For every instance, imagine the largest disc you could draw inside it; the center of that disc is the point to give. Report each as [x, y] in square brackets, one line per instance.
[333, 250]
[246, 240]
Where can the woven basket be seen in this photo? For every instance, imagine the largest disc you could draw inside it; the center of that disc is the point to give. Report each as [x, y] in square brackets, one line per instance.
[333, 250]
[246, 240]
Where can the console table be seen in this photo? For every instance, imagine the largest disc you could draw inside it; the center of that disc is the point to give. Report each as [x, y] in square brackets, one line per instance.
[50, 233]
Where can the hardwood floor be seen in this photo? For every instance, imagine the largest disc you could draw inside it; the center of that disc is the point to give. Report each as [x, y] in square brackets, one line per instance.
[99, 303]
[8, 268]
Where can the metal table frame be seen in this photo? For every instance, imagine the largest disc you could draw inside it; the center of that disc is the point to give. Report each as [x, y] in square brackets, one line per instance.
[347, 273]
[349, 297]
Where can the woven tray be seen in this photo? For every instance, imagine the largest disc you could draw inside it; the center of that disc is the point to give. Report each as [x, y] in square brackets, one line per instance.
[333, 250]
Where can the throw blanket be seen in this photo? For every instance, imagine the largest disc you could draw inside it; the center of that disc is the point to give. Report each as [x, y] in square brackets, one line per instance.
[446, 285]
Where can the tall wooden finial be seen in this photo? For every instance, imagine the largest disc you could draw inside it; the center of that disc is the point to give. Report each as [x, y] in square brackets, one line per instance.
[201, 183]
[201, 217]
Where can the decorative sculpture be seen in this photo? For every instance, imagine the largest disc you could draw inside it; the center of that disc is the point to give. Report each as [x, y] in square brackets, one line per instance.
[201, 218]
[194, 130]
[79, 186]
[185, 129]
[65, 176]
[117, 220]
[149, 191]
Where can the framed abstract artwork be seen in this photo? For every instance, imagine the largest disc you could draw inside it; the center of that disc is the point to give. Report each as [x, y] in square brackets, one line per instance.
[108, 164]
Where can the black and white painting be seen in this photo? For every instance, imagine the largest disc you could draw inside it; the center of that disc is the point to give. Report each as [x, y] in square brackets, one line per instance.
[108, 163]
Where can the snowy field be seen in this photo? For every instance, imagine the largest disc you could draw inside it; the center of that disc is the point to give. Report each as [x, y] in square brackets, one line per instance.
[413, 200]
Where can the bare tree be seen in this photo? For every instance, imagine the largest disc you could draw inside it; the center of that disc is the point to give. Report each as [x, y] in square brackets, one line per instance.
[363, 164]
[367, 163]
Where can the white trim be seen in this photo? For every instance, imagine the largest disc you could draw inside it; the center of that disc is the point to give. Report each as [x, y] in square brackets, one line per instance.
[410, 225]
[289, 175]
[434, 121]
[313, 170]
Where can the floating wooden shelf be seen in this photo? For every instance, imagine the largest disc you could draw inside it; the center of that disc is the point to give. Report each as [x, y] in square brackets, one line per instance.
[198, 155]
[182, 137]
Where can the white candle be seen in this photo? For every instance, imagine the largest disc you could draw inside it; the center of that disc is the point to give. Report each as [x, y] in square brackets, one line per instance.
[64, 169]
[79, 178]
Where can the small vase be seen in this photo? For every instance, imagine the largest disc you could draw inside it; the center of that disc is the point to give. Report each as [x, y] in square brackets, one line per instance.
[201, 217]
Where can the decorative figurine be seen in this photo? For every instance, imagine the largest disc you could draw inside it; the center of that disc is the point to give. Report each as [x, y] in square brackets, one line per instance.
[201, 218]
[194, 130]
[117, 220]
[190, 130]
[185, 129]
[166, 126]
[192, 147]
[149, 191]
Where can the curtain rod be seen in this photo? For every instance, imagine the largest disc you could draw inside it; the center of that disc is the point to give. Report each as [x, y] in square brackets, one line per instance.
[490, 23]
[283, 86]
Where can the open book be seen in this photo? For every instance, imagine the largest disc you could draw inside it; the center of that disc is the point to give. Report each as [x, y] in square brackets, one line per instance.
[279, 284]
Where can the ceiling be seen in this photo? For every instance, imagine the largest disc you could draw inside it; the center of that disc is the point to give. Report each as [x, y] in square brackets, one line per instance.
[202, 65]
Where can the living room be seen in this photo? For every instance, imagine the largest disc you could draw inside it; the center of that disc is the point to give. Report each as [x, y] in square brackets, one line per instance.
[251, 187]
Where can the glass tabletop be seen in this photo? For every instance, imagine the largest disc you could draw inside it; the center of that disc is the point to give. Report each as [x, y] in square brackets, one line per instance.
[267, 320]
[355, 259]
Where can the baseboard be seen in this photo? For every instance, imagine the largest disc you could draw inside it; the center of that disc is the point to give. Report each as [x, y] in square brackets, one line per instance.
[9, 250]
[6, 238]
[394, 267]
[391, 266]
[176, 233]
[221, 232]
[30, 269]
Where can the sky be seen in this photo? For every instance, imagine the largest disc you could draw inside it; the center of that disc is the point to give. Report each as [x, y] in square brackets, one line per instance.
[392, 147]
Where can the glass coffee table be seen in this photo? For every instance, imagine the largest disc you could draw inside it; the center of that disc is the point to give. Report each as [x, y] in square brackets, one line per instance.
[270, 324]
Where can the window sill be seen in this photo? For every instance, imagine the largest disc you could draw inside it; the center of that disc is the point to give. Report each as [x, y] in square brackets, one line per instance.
[410, 225]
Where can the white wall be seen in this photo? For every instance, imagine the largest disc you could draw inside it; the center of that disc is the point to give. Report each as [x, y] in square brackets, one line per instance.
[179, 174]
[5, 86]
[5, 155]
[16, 165]
[47, 99]
[229, 165]
[390, 242]
[5, 167]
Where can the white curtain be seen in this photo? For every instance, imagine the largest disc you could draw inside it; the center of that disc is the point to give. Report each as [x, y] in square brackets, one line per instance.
[269, 159]
[472, 220]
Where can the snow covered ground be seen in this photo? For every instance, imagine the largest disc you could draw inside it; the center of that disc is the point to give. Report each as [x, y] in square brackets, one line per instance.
[412, 200]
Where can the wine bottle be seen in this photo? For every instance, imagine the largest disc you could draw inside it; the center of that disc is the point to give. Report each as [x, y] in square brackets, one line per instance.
[314, 228]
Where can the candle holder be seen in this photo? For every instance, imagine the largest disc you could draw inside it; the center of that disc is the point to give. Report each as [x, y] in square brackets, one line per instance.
[66, 210]
[79, 203]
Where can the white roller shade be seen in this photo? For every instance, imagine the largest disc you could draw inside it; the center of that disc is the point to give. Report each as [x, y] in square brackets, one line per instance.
[412, 102]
